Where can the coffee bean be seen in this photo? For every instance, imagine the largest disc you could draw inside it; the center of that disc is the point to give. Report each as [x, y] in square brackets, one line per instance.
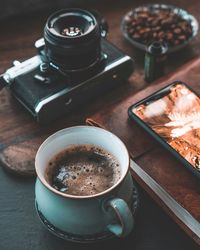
[150, 19]
[166, 22]
[182, 38]
[169, 36]
[136, 36]
[157, 28]
[144, 15]
[138, 27]
[155, 22]
[161, 34]
[133, 23]
[176, 42]
[155, 35]
[131, 31]
[142, 31]
[177, 31]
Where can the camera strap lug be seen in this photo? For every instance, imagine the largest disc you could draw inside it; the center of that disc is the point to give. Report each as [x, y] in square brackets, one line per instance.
[102, 22]
[16, 63]
[39, 44]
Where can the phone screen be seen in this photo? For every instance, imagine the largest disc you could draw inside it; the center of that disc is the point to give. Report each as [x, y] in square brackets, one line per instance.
[174, 114]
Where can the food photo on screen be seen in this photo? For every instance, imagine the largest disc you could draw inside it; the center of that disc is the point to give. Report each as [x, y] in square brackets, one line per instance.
[175, 117]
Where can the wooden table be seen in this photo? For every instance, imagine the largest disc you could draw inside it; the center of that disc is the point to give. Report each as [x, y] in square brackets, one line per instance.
[19, 225]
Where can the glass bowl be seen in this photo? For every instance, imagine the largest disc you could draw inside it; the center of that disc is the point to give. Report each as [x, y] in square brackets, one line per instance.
[155, 7]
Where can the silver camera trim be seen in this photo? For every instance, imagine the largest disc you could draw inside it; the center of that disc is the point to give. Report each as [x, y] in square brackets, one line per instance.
[45, 101]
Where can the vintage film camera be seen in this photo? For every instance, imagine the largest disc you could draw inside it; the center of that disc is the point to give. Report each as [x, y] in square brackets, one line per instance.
[74, 64]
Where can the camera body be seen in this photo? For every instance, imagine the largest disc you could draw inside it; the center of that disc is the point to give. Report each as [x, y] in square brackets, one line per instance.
[49, 92]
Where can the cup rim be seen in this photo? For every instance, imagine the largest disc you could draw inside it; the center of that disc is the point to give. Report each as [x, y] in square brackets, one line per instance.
[48, 186]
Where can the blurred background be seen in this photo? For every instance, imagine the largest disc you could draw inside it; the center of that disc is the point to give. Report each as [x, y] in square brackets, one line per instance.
[13, 7]
[35, 12]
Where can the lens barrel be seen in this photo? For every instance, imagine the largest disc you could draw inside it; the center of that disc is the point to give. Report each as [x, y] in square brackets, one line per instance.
[72, 39]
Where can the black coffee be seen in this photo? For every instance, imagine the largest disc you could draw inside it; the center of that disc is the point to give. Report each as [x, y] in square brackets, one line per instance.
[83, 170]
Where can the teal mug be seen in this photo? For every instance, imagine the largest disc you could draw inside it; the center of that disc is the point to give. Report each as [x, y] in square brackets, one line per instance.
[105, 213]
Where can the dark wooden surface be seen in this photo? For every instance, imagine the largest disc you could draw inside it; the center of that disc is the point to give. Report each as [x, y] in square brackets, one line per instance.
[19, 225]
[19, 143]
[153, 159]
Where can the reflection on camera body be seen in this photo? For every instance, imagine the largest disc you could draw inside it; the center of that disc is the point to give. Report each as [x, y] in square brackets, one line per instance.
[74, 64]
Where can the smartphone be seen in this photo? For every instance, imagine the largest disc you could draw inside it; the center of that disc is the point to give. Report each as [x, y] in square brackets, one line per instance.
[172, 116]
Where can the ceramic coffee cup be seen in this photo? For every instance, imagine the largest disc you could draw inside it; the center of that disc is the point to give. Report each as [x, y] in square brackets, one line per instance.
[102, 214]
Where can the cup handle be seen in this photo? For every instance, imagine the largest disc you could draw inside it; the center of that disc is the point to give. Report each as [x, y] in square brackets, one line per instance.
[125, 218]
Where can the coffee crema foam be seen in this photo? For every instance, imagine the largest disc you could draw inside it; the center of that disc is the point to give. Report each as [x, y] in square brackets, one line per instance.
[83, 170]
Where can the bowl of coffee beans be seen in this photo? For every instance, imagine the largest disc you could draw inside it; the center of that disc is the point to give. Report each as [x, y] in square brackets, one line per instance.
[159, 22]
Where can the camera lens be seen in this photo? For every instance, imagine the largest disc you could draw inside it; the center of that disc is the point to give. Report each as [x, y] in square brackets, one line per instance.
[72, 39]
